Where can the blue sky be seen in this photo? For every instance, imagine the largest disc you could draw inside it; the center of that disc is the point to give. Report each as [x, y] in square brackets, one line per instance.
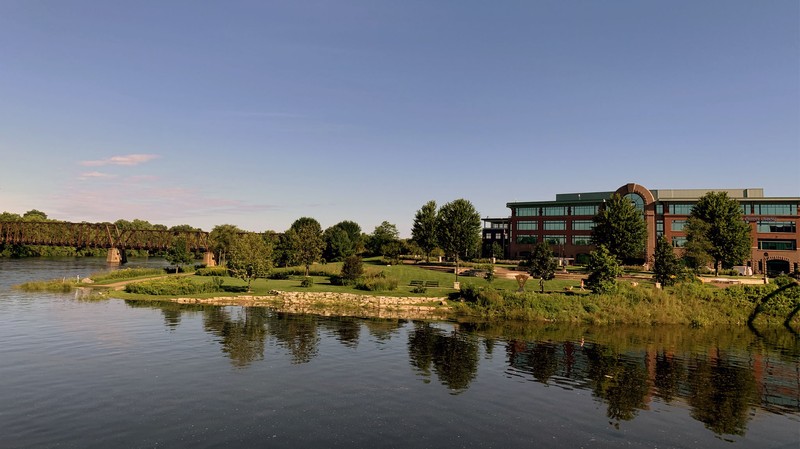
[256, 113]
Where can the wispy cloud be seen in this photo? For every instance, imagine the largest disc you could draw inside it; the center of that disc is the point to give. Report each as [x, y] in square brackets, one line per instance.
[128, 159]
[95, 175]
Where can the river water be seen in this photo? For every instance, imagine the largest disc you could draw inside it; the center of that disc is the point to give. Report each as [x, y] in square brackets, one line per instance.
[109, 374]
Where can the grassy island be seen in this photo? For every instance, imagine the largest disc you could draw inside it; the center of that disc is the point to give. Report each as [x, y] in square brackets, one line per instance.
[636, 300]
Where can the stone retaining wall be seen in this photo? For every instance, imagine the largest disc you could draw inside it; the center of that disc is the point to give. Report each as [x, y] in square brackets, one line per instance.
[340, 304]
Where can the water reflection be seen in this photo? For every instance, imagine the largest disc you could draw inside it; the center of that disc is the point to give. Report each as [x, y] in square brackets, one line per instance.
[719, 374]
[721, 394]
[452, 356]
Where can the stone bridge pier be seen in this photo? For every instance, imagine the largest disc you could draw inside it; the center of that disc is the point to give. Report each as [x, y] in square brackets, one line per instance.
[116, 257]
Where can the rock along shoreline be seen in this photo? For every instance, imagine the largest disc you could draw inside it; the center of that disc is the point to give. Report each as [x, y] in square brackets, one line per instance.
[336, 304]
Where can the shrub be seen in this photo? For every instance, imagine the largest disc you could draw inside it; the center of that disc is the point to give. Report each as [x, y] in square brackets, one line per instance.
[307, 282]
[173, 286]
[211, 271]
[376, 282]
[352, 269]
[419, 289]
[469, 293]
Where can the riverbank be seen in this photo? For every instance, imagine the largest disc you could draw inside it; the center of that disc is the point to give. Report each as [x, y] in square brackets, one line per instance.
[691, 304]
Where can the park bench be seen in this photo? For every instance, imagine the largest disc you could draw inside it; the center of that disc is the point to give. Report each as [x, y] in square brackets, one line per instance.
[417, 283]
[431, 283]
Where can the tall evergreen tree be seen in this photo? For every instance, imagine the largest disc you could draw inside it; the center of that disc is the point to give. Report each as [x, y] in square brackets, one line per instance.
[423, 232]
[718, 219]
[666, 267]
[620, 227]
[603, 269]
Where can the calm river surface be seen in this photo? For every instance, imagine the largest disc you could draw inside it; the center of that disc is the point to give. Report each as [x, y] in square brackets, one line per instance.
[143, 375]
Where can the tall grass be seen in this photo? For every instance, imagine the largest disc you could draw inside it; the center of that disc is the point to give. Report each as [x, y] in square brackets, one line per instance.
[689, 304]
[53, 285]
[125, 273]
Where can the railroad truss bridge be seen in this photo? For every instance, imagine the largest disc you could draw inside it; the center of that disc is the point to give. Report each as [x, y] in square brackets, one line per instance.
[101, 235]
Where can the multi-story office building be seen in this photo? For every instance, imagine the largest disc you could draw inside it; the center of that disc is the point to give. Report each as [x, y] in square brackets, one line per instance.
[495, 233]
[566, 223]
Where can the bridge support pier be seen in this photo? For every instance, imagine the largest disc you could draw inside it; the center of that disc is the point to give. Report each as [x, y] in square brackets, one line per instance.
[208, 259]
[114, 257]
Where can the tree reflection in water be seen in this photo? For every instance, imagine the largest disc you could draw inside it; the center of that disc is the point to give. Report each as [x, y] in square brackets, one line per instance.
[721, 394]
[454, 357]
[242, 336]
[620, 381]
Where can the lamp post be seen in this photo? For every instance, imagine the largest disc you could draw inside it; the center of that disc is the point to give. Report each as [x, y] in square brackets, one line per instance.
[766, 254]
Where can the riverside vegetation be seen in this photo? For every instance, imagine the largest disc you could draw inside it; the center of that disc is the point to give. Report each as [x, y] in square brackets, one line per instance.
[688, 303]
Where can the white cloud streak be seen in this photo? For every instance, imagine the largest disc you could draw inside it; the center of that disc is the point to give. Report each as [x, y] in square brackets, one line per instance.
[128, 159]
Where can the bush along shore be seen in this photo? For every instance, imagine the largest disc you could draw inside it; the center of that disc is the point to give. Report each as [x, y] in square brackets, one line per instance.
[688, 303]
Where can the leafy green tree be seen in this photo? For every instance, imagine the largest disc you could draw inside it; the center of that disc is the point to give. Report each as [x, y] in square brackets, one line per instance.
[697, 248]
[620, 227]
[352, 268]
[423, 232]
[497, 250]
[8, 216]
[383, 234]
[178, 254]
[34, 215]
[541, 264]
[305, 241]
[666, 266]
[353, 231]
[221, 238]
[337, 244]
[342, 240]
[603, 270]
[249, 257]
[282, 255]
[458, 229]
[717, 220]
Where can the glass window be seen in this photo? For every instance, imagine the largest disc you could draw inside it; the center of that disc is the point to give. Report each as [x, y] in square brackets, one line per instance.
[582, 240]
[555, 239]
[681, 209]
[677, 225]
[660, 209]
[775, 209]
[584, 210]
[660, 226]
[678, 242]
[637, 201]
[554, 210]
[487, 236]
[777, 226]
[527, 211]
[745, 207]
[526, 239]
[778, 245]
[527, 225]
[583, 225]
[555, 225]
[499, 226]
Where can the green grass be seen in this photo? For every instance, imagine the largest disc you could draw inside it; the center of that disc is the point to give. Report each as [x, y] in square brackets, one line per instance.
[53, 285]
[125, 274]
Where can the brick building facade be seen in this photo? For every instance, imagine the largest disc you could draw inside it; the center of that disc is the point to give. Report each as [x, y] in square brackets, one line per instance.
[566, 223]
